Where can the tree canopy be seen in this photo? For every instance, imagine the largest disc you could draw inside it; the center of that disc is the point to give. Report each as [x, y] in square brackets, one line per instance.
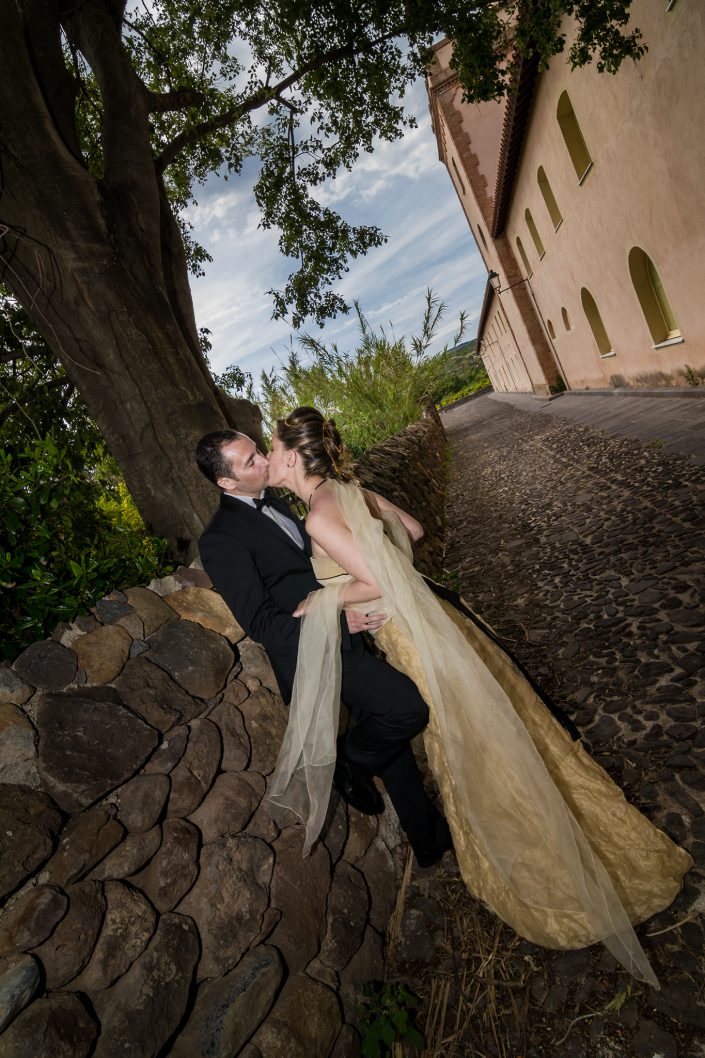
[304, 88]
[111, 116]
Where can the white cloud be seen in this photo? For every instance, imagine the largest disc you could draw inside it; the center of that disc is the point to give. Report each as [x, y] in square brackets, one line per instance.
[403, 189]
[390, 163]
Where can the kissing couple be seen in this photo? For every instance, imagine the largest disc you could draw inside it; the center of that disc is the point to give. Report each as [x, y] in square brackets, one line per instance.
[541, 833]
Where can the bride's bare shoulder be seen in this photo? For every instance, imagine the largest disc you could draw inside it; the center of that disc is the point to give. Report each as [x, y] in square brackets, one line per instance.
[326, 512]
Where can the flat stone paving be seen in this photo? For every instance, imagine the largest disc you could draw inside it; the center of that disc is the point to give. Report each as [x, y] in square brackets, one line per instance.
[585, 552]
[672, 423]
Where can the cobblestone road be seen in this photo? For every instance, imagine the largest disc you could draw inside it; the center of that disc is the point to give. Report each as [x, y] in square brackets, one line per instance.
[586, 553]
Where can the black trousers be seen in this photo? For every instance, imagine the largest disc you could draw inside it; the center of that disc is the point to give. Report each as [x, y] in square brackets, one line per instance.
[388, 711]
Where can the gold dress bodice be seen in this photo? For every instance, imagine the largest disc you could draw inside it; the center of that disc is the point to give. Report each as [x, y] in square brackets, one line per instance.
[328, 571]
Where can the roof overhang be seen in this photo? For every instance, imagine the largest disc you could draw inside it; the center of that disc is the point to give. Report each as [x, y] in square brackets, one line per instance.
[520, 99]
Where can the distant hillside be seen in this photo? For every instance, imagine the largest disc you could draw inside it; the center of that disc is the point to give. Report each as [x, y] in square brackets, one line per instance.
[458, 371]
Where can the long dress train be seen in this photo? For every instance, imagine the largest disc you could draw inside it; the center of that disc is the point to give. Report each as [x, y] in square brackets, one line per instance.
[542, 834]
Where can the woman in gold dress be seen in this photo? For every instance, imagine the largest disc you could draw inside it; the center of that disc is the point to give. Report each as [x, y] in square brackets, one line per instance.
[541, 833]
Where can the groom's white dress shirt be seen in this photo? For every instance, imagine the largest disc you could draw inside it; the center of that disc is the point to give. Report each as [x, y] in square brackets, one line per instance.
[287, 524]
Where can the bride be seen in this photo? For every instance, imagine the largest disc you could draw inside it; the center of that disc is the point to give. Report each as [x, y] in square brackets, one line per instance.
[541, 833]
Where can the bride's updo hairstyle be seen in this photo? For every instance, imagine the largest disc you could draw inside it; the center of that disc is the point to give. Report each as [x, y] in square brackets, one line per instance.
[317, 442]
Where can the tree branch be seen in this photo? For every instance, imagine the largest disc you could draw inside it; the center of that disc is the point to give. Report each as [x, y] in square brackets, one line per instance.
[127, 151]
[117, 11]
[261, 96]
[90, 26]
[41, 25]
[287, 103]
[161, 102]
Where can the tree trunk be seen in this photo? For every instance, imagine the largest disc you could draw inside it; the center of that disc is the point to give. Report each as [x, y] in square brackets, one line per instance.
[99, 267]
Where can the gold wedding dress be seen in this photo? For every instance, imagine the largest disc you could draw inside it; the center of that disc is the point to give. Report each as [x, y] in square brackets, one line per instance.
[541, 833]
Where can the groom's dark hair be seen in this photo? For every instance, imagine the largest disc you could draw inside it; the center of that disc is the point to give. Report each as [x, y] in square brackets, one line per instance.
[209, 454]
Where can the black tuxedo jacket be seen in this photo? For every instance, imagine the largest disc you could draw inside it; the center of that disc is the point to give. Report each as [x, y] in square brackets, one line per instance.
[263, 575]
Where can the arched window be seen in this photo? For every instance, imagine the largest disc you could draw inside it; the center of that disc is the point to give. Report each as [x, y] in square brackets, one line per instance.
[604, 345]
[566, 319]
[577, 149]
[653, 299]
[525, 260]
[551, 329]
[548, 197]
[533, 232]
[457, 173]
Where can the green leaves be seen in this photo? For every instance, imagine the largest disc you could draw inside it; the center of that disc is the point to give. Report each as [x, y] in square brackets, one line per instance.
[385, 1017]
[378, 388]
[70, 531]
[491, 41]
[617, 1002]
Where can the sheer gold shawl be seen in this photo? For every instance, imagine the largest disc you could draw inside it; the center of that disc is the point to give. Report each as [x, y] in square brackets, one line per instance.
[512, 804]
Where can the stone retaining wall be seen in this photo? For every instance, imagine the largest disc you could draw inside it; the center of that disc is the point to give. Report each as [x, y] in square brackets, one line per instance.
[152, 906]
[409, 469]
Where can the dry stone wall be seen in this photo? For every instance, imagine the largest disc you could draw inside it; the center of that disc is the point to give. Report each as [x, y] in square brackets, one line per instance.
[152, 907]
[409, 469]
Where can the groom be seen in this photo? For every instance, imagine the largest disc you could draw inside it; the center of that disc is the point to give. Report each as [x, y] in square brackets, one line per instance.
[258, 556]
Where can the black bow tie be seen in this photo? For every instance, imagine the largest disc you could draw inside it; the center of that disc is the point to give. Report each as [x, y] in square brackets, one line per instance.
[264, 502]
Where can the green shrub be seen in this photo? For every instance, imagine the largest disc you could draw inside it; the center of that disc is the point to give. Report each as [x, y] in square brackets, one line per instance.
[376, 390]
[458, 372]
[71, 531]
[67, 539]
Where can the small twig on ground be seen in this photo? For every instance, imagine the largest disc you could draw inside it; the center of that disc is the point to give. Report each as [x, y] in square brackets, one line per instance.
[394, 926]
[667, 929]
[580, 1017]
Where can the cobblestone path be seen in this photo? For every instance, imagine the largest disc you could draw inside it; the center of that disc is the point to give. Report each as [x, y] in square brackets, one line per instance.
[586, 554]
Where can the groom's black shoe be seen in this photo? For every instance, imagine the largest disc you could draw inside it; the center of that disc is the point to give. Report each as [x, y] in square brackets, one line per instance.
[429, 857]
[357, 789]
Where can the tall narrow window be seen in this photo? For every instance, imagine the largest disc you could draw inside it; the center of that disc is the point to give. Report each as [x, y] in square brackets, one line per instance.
[549, 198]
[457, 173]
[604, 345]
[533, 232]
[574, 141]
[653, 299]
[566, 319]
[551, 329]
[482, 236]
[524, 258]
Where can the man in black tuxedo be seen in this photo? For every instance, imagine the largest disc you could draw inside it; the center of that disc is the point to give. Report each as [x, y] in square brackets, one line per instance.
[257, 554]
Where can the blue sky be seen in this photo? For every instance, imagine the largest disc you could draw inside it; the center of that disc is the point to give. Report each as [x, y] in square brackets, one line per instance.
[401, 187]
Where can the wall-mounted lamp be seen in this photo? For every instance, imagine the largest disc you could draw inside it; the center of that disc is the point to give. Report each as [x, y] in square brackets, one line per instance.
[496, 283]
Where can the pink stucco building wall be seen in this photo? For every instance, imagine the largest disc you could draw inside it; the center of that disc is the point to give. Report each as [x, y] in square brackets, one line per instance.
[644, 189]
